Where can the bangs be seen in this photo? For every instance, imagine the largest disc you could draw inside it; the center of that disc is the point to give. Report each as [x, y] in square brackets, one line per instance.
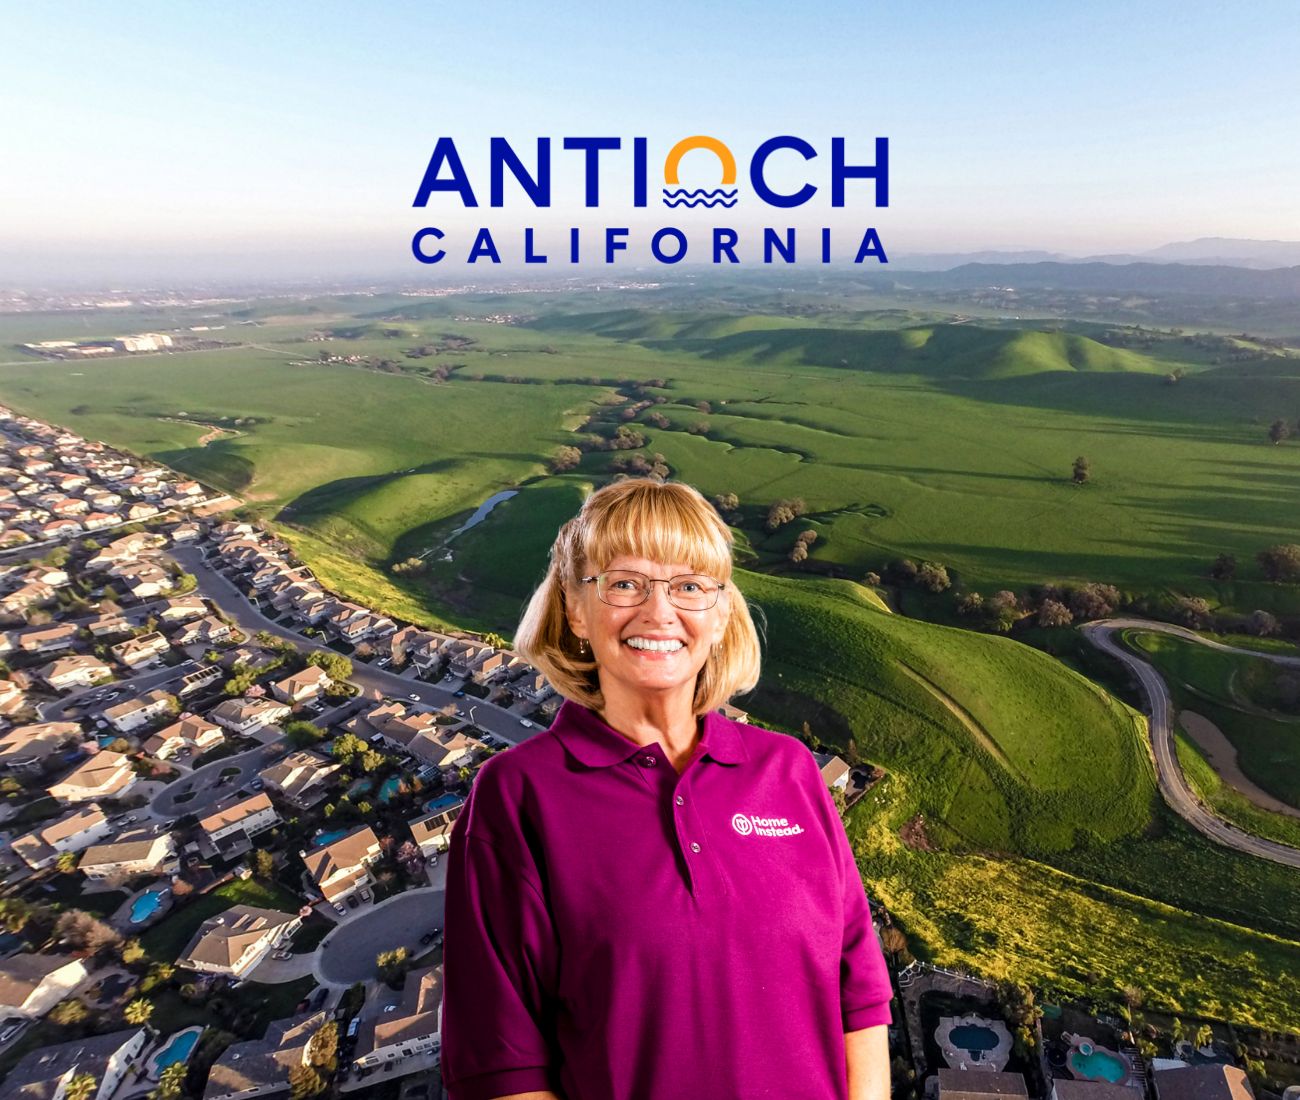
[663, 526]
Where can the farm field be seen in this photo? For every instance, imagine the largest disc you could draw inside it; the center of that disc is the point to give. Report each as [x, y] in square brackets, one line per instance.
[1037, 844]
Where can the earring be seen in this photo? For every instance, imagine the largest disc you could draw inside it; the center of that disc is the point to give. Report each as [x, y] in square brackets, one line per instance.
[582, 646]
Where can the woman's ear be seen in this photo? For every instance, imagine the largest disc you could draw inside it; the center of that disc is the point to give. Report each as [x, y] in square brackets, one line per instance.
[573, 612]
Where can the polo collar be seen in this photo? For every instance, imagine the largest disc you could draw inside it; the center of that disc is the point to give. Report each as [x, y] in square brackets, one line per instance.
[596, 744]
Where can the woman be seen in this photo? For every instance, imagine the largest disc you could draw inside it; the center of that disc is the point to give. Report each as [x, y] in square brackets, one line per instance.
[649, 901]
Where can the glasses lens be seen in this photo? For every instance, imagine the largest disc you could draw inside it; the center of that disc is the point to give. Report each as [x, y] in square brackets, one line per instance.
[693, 592]
[623, 587]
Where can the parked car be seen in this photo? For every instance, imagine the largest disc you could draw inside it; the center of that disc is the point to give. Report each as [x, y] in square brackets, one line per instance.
[352, 901]
[427, 938]
[525, 723]
[257, 784]
[282, 954]
[413, 697]
[11, 1029]
[365, 893]
[460, 694]
[338, 905]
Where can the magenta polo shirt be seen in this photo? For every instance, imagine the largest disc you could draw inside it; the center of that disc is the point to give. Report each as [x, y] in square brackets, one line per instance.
[616, 931]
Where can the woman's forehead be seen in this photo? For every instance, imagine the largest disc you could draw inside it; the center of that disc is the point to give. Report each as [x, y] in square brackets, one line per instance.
[649, 565]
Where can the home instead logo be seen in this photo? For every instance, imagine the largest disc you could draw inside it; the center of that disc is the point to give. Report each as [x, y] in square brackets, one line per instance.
[447, 180]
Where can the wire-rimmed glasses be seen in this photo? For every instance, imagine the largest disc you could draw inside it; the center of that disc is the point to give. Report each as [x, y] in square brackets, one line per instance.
[628, 588]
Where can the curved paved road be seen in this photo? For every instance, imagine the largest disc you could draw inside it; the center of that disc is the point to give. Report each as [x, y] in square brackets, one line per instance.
[1173, 784]
[348, 953]
[203, 782]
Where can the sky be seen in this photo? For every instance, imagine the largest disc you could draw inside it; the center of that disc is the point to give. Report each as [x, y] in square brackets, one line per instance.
[183, 140]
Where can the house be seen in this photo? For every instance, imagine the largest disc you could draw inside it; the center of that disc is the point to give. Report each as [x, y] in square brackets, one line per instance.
[299, 687]
[343, 867]
[491, 667]
[127, 548]
[132, 714]
[80, 670]
[104, 774]
[958, 1084]
[233, 822]
[27, 748]
[12, 697]
[188, 732]
[47, 639]
[834, 770]
[144, 851]
[300, 778]
[206, 631]
[247, 716]
[261, 1066]
[1065, 1089]
[73, 832]
[1213, 1081]
[97, 521]
[236, 940]
[413, 1028]
[143, 580]
[399, 645]
[432, 832]
[251, 656]
[181, 609]
[199, 679]
[187, 532]
[106, 626]
[46, 1072]
[147, 648]
[59, 528]
[30, 985]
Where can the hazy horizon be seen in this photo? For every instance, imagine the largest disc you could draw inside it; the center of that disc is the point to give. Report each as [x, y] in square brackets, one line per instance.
[165, 143]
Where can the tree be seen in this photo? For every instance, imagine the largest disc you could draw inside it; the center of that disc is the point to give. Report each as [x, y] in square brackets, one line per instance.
[1082, 470]
[1224, 568]
[901, 571]
[346, 746]
[1280, 563]
[1204, 1036]
[783, 511]
[726, 504]
[1278, 431]
[393, 965]
[263, 864]
[565, 458]
[1193, 611]
[82, 930]
[131, 952]
[932, 576]
[1054, 613]
[138, 1011]
[372, 759]
[1175, 376]
[1094, 601]
[67, 862]
[171, 1085]
[304, 1082]
[14, 914]
[71, 1011]
[300, 734]
[1262, 624]
[322, 1049]
[336, 666]
[81, 1087]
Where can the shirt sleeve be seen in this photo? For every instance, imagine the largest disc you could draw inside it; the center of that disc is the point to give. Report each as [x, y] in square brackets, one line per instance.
[865, 991]
[500, 965]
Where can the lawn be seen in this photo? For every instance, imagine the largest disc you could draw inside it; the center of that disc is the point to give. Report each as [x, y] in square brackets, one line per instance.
[168, 938]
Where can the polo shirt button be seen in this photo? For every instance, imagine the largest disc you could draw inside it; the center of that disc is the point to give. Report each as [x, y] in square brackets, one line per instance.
[650, 761]
[694, 846]
[681, 801]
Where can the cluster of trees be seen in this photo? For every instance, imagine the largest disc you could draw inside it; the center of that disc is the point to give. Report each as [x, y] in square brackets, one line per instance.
[785, 511]
[348, 749]
[727, 504]
[930, 575]
[393, 965]
[409, 567]
[638, 465]
[336, 665]
[799, 551]
[1281, 429]
[1050, 605]
[312, 1077]
[1276, 563]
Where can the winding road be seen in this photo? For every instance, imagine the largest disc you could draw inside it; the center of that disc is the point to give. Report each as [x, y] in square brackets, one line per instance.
[1173, 784]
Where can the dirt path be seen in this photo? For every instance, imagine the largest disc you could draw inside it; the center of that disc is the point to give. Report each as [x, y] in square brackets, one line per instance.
[1223, 759]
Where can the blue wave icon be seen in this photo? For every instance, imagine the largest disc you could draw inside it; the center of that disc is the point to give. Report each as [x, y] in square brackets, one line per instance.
[700, 197]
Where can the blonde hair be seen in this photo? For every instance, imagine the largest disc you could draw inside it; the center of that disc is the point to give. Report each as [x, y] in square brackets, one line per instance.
[644, 518]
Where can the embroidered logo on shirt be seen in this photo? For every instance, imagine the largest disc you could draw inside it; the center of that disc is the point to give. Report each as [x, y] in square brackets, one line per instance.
[745, 824]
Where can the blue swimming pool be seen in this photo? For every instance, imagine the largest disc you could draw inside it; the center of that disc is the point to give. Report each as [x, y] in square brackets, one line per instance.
[178, 1049]
[330, 837]
[390, 788]
[146, 905]
[442, 802]
[1097, 1065]
[973, 1037]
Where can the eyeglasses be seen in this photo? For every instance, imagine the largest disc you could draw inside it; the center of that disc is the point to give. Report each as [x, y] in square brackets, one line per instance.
[628, 588]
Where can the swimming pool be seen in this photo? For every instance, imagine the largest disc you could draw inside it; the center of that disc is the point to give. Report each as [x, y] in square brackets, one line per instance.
[1097, 1065]
[390, 788]
[330, 837]
[442, 802]
[147, 904]
[178, 1049]
[973, 1037]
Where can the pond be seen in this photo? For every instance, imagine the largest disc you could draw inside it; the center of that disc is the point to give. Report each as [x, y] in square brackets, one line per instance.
[481, 513]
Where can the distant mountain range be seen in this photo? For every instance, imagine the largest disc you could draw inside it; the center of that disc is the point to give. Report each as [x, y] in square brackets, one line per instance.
[1205, 251]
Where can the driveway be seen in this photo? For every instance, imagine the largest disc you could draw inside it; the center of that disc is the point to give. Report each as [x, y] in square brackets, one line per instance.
[348, 953]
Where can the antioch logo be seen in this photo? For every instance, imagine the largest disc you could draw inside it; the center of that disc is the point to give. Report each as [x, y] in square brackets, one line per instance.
[618, 175]
[745, 824]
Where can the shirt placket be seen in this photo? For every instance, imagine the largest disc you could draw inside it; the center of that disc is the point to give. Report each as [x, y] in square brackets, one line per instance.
[673, 792]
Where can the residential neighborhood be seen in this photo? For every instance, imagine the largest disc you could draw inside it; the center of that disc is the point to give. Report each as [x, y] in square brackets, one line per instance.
[227, 795]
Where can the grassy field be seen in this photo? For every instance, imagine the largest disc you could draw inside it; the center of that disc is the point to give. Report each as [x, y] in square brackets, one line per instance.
[1052, 856]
